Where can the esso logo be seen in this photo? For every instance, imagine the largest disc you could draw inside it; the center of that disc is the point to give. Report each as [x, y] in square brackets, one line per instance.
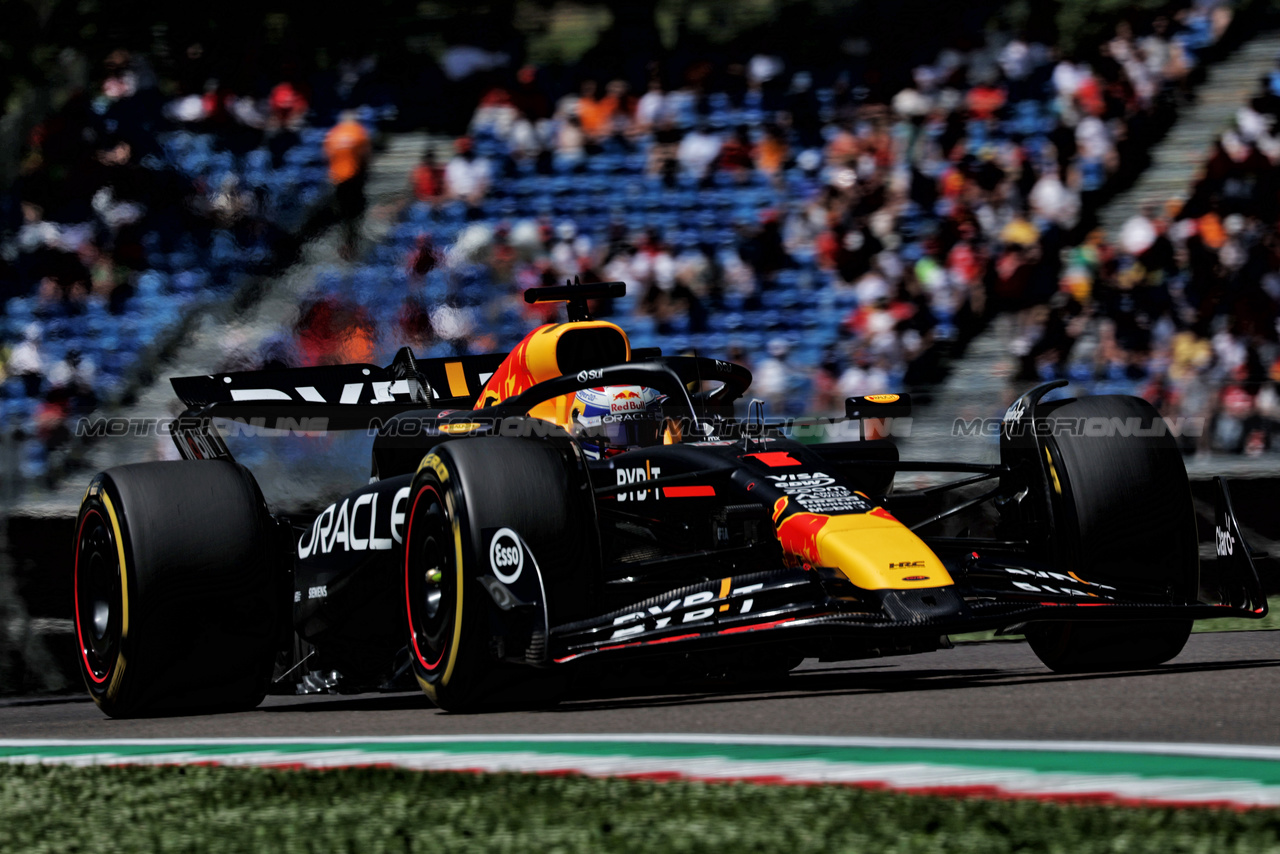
[506, 557]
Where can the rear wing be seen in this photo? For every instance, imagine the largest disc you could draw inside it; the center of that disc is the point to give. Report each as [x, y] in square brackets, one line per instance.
[446, 383]
[341, 397]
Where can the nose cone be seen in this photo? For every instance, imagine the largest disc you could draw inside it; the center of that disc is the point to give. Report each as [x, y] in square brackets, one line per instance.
[873, 550]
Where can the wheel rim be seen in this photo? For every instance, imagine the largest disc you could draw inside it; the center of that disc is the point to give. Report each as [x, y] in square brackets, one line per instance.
[99, 607]
[430, 578]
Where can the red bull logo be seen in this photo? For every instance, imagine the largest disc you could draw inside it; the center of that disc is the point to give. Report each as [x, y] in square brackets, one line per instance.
[626, 400]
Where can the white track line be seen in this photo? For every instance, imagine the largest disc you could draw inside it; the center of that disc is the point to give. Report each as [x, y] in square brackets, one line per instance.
[1224, 751]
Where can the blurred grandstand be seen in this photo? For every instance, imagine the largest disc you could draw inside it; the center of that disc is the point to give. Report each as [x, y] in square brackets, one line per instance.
[841, 220]
[134, 215]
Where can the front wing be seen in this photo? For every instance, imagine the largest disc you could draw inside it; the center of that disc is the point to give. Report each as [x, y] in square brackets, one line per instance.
[802, 606]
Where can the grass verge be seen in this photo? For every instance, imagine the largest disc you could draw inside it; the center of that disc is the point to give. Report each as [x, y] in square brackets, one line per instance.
[209, 809]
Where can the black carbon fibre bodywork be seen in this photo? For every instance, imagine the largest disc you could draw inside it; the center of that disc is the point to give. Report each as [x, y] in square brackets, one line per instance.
[690, 554]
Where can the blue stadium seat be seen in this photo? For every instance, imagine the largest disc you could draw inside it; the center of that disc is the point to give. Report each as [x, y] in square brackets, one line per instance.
[12, 388]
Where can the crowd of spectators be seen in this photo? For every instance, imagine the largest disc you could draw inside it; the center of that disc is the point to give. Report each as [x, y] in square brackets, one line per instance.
[133, 208]
[1183, 308]
[835, 245]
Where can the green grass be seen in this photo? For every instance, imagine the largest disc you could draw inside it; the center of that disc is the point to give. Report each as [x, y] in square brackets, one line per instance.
[98, 809]
[1240, 624]
[1271, 622]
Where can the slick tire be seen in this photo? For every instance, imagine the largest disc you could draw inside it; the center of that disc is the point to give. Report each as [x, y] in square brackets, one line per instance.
[1123, 509]
[176, 593]
[463, 489]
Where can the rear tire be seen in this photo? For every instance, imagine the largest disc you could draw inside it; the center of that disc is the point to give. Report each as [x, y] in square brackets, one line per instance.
[176, 595]
[463, 489]
[1123, 505]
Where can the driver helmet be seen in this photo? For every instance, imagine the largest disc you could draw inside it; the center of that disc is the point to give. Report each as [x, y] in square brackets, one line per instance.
[611, 419]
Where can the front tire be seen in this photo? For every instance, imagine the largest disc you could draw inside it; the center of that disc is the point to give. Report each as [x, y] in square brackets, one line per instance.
[464, 491]
[176, 595]
[1123, 508]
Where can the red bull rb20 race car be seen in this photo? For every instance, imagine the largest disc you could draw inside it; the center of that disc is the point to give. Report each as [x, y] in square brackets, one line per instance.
[576, 503]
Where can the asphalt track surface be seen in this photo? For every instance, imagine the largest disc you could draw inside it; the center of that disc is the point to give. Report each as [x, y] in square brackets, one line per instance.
[1223, 688]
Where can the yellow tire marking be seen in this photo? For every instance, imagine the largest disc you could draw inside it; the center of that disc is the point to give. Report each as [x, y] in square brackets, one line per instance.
[124, 574]
[117, 677]
[1053, 473]
[436, 465]
[457, 616]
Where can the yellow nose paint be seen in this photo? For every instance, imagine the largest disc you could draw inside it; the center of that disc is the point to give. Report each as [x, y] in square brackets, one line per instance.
[873, 550]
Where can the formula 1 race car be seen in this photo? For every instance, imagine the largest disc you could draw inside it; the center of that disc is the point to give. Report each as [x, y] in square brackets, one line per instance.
[578, 501]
